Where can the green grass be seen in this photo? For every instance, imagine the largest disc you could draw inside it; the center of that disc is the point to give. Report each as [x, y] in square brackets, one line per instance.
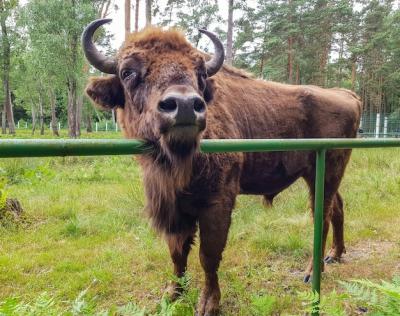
[85, 232]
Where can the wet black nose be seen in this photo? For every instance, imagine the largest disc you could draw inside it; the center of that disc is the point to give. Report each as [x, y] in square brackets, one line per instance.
[185, 110]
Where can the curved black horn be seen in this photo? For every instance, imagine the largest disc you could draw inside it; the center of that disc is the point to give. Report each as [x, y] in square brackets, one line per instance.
[94, 57]
[216, 62]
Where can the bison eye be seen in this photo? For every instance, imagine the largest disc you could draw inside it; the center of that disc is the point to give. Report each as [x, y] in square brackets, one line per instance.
[128, 74]
[202, 80]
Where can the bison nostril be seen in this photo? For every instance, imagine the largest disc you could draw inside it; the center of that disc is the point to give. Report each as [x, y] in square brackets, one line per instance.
[199, 105]
[168, 105]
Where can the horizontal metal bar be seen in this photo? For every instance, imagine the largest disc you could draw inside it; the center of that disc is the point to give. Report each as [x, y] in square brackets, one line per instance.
[68, 147]
[260, 145]
[94, 147]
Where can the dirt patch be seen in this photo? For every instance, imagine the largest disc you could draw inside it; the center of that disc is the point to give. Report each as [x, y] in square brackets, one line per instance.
[367, 259]
[368, 249]
[359, 257]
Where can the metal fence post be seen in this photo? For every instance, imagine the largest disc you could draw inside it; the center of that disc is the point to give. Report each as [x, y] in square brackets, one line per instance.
[385, 127]
[318, 224]
[377, 125]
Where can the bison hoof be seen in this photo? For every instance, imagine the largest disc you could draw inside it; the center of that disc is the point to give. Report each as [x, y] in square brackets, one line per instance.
[209, 303]
[330, 260]
[173, 291]
[307, 278]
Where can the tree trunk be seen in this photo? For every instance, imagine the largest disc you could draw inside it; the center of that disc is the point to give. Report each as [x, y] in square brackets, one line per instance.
[323, 64]
[137, 16]
[3, 120]
[54, 126]
[71, 109]
[33, 113]
[323, 48]
[290, 47]
[341, 51]
[8, 110]
[171, 10]
[297, 74]
[229, 39]
[262, 66]
[127, 18]
[78, 116]
[113, 116]
[148, 12]
[89, 127]
[103, 11]
[72, 83]
[8, 107]
[353, 74]
[290, 60]
[41, 115]
[262, 61]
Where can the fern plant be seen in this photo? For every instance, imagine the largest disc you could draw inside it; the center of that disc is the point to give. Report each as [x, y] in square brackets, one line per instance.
[331, 304]
[381, 298]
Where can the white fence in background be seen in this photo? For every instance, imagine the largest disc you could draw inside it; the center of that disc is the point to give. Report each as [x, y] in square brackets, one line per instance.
[379, 125]
[102, 126]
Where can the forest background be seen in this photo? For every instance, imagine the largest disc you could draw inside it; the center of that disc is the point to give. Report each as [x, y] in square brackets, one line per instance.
[330, 43]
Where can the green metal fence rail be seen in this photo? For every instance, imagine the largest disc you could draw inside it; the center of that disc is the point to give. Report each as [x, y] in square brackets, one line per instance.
[88, 147]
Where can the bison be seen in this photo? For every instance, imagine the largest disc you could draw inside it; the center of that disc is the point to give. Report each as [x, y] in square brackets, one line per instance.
[171, 95]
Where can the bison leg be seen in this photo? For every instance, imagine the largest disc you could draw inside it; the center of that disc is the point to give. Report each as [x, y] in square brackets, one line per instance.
[179, 248]
[337, 221]
[214, 225]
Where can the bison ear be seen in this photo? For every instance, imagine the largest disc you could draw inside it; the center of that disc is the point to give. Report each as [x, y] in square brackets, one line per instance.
[106, 92]
[208, 93]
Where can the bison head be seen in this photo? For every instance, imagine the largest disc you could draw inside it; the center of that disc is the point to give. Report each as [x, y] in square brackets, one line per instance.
[159, 84]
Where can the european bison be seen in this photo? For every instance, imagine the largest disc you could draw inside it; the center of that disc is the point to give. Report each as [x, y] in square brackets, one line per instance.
[171, 95]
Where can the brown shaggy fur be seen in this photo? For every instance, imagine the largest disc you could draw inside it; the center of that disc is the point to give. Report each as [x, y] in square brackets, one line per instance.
[187, 189]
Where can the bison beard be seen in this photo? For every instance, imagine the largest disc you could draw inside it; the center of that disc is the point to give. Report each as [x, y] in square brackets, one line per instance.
[187, 189]
[167, 171]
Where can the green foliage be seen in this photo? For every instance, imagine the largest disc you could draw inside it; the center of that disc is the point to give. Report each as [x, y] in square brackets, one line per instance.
[331, 304]
[350, 44]
[3, 193]
[43, 305]
[131, 309]
[27, 172]
[46, 305]
[262, 305]
[189, 16]
[381, 298]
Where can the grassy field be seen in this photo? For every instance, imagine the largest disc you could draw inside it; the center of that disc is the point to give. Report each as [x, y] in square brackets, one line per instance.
[85, 244]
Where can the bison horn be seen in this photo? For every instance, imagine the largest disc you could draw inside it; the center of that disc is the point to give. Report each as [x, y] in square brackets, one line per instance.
[95, 58]
[216, 62]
